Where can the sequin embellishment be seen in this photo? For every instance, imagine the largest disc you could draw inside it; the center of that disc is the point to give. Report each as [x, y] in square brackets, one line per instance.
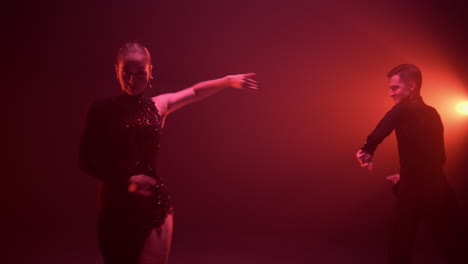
[143, 125]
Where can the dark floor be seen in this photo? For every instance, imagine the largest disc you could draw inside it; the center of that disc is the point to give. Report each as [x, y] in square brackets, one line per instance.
[230, 249]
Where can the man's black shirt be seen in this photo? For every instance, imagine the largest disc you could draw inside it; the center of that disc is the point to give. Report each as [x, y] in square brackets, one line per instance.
[420, 137]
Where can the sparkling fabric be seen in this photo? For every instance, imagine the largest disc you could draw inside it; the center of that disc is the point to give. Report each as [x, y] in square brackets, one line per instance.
[143, 125]
[121, 139]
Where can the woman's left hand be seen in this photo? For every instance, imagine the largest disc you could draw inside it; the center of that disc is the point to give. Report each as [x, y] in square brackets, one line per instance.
[140, 184]
[243, 81]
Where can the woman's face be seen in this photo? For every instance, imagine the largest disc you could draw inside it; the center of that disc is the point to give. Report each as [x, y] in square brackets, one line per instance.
[133, 72]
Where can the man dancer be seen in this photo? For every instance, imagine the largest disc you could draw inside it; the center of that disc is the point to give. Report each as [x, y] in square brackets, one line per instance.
[422, 191]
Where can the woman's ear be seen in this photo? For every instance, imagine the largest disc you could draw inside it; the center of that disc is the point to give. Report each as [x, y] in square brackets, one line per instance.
[116, 71]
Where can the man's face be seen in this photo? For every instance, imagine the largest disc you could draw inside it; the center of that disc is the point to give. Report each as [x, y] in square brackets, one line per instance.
[400, 91]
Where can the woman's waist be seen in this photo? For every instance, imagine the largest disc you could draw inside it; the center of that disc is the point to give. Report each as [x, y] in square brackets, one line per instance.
[119, 196]
[139, 166]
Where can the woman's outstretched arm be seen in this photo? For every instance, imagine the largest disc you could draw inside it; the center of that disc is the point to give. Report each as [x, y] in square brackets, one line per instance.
[170, 102]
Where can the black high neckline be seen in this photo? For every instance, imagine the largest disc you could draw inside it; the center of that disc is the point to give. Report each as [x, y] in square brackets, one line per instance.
[132, 98]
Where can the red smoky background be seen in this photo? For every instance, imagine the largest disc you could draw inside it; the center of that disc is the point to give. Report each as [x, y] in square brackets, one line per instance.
[267, 177]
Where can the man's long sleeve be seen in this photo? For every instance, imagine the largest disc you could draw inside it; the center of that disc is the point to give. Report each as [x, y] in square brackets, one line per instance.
[386, 125]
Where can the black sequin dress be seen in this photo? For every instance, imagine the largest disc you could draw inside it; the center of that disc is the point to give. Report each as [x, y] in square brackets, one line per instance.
[121, 139]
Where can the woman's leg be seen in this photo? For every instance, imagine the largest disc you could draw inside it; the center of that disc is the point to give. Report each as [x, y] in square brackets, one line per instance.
[120, 237]
[157, 245]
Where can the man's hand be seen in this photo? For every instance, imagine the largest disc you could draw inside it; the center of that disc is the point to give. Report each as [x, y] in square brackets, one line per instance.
[140, 184]
[394, 178]
[365, 159]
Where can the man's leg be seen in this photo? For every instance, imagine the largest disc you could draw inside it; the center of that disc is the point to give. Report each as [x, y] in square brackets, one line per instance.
[403, 231]
[445, 220]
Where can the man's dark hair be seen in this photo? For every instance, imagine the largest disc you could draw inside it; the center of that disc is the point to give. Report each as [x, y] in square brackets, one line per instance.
[407, 73]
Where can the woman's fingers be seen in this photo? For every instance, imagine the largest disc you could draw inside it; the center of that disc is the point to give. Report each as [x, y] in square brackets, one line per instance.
[250, 84]
[250, 87]
[132, 187]
[250, 74]
[244, 81]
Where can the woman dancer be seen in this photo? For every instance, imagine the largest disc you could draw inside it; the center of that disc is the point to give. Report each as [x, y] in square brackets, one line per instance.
[119, 146]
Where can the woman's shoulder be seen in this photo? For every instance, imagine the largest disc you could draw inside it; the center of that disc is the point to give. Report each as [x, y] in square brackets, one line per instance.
[106, 102]
[102, 105]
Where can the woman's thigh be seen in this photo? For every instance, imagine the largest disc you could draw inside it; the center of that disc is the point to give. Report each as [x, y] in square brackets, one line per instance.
[157, 245]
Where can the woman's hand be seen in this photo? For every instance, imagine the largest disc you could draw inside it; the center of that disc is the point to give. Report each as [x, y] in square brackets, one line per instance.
[140, 184]
[242, 81]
